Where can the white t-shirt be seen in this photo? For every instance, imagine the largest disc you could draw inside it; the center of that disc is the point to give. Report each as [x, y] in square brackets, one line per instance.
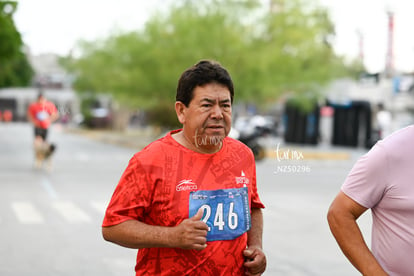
[383, 180]
[384, 123]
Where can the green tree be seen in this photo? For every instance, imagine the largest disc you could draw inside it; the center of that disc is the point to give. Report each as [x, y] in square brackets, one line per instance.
[15, 69]
[267, 53]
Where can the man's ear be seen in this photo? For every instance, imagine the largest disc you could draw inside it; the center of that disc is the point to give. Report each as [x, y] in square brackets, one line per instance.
[180, 109]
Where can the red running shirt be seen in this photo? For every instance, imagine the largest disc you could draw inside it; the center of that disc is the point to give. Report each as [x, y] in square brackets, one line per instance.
[155, 189]
[41, 113]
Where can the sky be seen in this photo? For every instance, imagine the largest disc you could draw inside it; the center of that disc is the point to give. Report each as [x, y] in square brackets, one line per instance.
[54, 26]
[369, 17]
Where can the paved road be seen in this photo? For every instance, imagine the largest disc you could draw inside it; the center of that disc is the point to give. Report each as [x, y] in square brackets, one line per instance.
[50, 221]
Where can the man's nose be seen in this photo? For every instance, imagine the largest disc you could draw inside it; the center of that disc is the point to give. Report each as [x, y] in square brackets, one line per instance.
[216, 112]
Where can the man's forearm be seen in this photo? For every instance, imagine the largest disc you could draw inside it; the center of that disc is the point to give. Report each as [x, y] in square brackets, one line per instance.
[350, 240]
[189, 234]
[31, 119]
[254, 236]
[135, 234]
[54, 117]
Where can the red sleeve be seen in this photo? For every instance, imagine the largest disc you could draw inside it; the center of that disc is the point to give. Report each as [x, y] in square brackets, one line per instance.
[131, 196]
[256, 202]
[31, 110]
[51, 108]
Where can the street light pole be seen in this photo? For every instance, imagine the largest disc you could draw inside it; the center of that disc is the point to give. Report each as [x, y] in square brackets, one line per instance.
[389, 69]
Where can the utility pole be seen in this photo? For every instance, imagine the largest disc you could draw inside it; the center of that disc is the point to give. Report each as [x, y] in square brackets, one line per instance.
[361, 54]
[389, 65]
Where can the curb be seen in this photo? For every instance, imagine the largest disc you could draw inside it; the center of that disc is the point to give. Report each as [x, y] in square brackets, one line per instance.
[300, 153]
[133, 140]
[314, 155]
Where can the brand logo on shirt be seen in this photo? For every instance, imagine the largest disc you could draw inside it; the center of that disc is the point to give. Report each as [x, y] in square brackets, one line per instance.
[186, 185]
[242, 179]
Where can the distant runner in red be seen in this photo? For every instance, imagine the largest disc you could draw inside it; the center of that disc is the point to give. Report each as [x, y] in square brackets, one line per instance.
[42, 113]
[189, 201]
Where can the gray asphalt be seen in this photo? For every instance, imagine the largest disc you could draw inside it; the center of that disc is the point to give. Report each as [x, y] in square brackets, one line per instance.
[50, 221]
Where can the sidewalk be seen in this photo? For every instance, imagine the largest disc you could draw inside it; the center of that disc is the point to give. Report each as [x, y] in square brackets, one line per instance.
[275, 146]
[131, 138]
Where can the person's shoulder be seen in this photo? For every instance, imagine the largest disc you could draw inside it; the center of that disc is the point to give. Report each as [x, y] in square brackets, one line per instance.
[395, 146]
[50, 103]
[156, 148]
[237, 145]
[234, 142]
[405, 132]
[403, 135]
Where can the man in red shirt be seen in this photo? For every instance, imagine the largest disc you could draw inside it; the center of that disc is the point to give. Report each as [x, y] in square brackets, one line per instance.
[189, 201]
[41, 113]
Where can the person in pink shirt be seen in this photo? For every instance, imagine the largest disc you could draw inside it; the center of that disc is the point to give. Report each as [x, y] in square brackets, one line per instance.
[382, 180]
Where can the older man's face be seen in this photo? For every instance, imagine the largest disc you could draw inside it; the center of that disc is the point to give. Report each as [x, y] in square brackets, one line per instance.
[207, 119]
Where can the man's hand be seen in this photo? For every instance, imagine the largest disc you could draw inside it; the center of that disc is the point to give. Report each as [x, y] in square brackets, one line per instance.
[255, 261]
[191, 233]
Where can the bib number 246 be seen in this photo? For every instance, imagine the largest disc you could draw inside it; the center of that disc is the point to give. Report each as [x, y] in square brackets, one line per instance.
[219, 220]
[226, 212]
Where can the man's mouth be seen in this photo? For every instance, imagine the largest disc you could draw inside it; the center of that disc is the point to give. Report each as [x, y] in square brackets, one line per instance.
[215, 126]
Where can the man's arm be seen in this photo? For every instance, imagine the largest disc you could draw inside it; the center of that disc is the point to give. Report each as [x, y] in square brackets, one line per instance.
[54, 116]
[53, 112]
[30, 117]
[189, 234]
[255, 257]
[342, 216]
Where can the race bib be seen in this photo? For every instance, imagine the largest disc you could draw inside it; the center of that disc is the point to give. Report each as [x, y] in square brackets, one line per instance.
[42, 115]
[226, 212]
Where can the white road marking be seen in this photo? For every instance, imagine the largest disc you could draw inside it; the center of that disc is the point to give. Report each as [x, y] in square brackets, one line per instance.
[26, 213]
[71, 212]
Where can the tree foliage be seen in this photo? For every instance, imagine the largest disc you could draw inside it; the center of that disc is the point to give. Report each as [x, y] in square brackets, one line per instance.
[15, 69]
[267, 53]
